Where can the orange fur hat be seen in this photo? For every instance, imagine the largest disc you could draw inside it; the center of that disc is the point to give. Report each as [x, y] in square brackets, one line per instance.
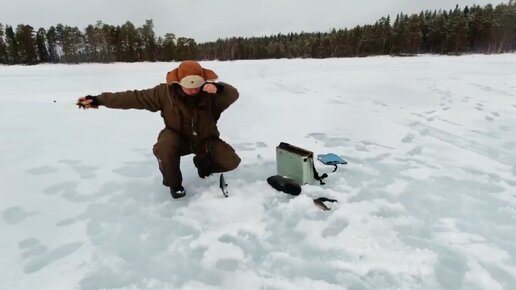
[190, 74]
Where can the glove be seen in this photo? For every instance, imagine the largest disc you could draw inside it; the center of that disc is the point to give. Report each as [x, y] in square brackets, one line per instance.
[88, 102]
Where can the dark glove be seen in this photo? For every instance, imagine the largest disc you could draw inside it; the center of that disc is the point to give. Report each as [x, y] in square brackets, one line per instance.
[94, 101]
[93, 104]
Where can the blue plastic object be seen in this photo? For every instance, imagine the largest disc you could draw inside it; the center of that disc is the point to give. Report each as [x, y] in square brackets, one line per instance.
[331, 159]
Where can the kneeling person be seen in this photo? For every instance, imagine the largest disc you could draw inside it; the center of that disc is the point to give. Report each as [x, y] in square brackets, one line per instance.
[190, 103]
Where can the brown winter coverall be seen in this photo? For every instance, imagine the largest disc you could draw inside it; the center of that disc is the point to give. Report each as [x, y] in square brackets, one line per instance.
[190, 125]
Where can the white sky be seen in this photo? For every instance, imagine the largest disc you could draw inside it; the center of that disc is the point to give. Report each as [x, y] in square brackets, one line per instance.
[208, 20]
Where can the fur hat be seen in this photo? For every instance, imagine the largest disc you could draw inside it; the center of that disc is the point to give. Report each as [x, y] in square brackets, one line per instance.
[190, 74]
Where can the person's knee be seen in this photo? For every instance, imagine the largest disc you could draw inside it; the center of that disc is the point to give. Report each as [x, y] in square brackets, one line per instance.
[221, 158]
[230, 162]
[167, 147]
[166, 153]
[236, 162]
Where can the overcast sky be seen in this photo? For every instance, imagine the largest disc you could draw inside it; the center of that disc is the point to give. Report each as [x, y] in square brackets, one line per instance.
[206, 20]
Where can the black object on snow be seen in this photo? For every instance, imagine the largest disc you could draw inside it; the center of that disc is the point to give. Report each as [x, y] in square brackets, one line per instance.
[178, 192]
[284, 184]
[319, 202]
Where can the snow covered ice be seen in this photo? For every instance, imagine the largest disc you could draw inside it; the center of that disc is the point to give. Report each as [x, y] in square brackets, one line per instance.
[427, 201]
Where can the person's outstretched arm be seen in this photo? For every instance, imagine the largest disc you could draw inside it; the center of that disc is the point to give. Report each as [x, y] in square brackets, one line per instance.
[150, 99]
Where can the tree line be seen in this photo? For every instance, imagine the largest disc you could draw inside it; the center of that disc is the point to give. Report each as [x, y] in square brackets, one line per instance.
[97, 43]
[473, 29]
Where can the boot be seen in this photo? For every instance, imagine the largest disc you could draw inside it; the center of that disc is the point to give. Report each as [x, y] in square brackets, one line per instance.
[177, 192]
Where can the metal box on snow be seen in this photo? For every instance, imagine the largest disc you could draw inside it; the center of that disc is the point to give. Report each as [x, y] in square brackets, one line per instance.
[295, 162]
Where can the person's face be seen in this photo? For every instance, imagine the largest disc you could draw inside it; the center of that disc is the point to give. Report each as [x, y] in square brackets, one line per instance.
[191, 92]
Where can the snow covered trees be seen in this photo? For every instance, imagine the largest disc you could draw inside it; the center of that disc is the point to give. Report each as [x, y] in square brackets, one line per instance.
[472, 29]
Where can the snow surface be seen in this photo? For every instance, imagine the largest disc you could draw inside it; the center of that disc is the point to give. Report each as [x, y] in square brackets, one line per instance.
[427, 201]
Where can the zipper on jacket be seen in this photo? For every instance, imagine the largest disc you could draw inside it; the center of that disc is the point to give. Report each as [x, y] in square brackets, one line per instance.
[194, 132]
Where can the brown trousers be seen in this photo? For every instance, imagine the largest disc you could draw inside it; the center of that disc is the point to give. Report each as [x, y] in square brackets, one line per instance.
[171, 146]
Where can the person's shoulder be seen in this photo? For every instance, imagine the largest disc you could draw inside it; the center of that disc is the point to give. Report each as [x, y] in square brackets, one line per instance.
[227, 88]
[226, 84]
[161, 89]
[161, 86]
[174, 89]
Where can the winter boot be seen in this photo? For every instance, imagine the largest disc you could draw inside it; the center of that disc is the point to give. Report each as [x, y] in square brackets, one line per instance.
[177, 192]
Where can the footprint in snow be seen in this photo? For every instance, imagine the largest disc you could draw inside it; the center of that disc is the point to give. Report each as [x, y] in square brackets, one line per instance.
[137, 168]
[409, 138]
[380, 103]
[70, 161]
[339, 100]
[415, 151]
[504, 128]
[68, 191]
[329, 141]
[249, 146]
[250, 244]
[61, 187]
[335, 228]
[42, 170]
[37, 256]
[84, 171]
[229, 265]
[16, 215]
[450, 269]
